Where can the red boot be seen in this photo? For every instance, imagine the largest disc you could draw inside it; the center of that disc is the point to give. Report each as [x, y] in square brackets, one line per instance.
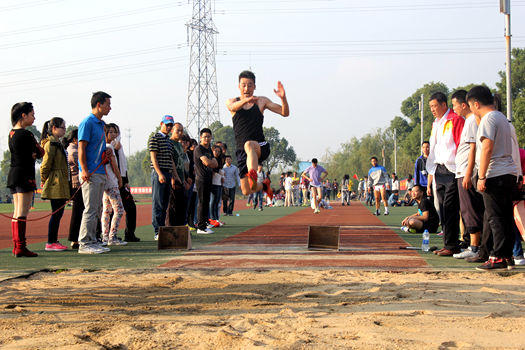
[20, 246]
[14, 232]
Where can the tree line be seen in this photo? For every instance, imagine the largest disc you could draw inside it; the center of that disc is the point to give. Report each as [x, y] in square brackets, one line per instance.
[353, 157]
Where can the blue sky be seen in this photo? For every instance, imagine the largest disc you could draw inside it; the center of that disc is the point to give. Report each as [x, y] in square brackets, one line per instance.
[346, 65]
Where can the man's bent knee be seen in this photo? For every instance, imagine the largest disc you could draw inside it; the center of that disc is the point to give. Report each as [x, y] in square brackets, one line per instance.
[252, 146]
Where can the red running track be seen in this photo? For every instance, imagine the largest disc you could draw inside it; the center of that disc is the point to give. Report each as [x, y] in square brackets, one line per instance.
[365, 242]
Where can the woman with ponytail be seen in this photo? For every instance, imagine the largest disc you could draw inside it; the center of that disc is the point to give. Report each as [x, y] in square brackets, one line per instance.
[21, 178]
[71, 145]
[55, 178]
[112, 202]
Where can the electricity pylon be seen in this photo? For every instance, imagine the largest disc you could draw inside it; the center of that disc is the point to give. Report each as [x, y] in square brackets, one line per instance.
[203, 95]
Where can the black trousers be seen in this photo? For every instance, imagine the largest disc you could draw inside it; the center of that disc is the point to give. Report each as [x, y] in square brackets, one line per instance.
[448, 198]
[76, 216]
[131, 212]
[191, 208]
[176, 207]
[227, 204]
[54, 221]
[203, 192]
[498, 220]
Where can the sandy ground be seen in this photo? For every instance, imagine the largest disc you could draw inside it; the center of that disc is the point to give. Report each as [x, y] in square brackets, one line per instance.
[231, 309]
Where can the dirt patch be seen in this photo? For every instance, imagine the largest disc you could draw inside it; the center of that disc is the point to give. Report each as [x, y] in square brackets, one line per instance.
[299, 309]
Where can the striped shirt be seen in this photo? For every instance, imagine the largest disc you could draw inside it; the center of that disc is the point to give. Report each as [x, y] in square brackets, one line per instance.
[160, 144]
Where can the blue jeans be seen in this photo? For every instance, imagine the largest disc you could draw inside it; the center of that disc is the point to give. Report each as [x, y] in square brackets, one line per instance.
[393, 199]
[160, 194]
[215, 200]
[517, 249]
[258, 199]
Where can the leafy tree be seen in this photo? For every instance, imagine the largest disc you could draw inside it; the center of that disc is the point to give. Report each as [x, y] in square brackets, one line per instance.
[225, 134]
[4, 168]
[411, 109]
[518, 109]
[518, 75]
[138, 169]
[518, 92]
[281, 152]
[35, 131]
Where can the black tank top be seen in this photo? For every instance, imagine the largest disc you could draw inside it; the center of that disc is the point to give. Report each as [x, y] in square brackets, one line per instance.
[248, 125]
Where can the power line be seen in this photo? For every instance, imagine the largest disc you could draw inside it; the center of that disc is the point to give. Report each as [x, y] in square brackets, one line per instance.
[90, 33]
[98, 19]
[92, 71]
[28, 4]
[91, 60]
[399, 7]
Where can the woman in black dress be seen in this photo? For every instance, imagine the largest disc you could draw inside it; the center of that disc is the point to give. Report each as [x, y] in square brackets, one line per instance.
[21, 178]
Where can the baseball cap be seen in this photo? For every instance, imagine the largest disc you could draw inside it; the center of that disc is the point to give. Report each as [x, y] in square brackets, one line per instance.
[168, 119]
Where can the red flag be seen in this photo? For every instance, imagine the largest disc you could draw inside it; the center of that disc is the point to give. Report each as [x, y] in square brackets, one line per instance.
[355, 177]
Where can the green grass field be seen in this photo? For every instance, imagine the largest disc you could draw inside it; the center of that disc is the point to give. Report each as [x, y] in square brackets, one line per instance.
[397, 214]
[143, 254]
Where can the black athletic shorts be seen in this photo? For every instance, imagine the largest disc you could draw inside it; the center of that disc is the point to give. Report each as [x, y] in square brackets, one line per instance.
[241, 158]
[431, 227]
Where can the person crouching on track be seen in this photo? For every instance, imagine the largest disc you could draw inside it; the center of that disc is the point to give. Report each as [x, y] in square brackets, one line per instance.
[426, 217]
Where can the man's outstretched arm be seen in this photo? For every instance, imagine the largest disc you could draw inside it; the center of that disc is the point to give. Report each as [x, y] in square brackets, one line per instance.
[282, 109]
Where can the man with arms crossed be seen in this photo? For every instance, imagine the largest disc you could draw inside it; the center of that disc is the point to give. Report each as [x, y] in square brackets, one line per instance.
[204, 163]
[247, 113]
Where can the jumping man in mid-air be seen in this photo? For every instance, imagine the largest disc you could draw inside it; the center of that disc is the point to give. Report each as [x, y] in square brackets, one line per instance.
[247, 112]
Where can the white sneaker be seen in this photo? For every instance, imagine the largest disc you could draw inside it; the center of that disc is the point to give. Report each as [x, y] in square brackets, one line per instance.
[156, 237]
[467, 253]
[104, 248]
[204, 232]
[90, 249]
[117, 241]
[386, 212]
[519, 261]
[407, 229]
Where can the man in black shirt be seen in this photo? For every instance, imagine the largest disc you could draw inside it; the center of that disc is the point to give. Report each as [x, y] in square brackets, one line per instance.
[426, 217]
[204, 163]
[247, 113]
[420, 171]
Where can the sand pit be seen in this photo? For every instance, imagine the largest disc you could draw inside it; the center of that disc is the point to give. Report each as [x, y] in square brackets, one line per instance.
[231, 309]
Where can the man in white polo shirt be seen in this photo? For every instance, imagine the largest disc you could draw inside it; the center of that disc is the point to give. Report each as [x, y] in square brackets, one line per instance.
[441, 167]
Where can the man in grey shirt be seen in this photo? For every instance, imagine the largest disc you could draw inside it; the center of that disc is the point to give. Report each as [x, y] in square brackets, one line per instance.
[496, 179]
[231, 180]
